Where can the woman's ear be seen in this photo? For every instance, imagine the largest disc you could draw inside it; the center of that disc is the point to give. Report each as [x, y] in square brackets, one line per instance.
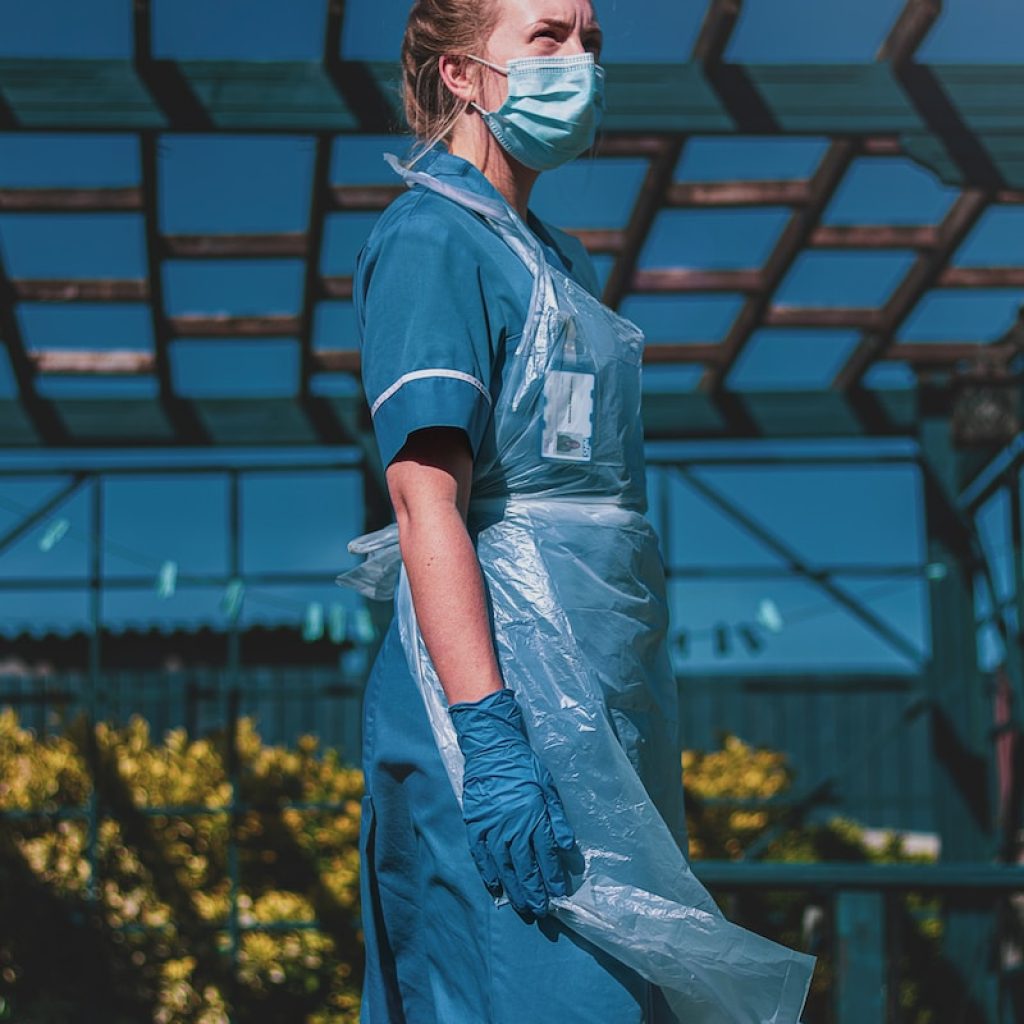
[459, 75]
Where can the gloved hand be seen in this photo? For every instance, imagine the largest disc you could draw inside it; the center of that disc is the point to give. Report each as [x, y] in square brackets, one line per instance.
[513, 814]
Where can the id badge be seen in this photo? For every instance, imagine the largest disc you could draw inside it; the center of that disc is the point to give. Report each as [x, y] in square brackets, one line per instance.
[568, 416]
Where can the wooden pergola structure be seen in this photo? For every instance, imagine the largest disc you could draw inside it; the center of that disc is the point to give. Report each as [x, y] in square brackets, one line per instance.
[964, 122]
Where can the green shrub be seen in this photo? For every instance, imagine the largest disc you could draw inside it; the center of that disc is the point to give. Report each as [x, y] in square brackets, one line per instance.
[151, 940]
[736, 798]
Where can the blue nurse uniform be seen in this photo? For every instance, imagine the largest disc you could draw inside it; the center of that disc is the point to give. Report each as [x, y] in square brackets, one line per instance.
[441, 300]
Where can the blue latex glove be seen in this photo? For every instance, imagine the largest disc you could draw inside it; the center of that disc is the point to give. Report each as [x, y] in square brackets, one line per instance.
[513, 814]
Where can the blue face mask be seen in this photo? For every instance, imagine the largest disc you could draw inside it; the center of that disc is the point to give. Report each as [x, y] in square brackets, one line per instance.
[553, 110]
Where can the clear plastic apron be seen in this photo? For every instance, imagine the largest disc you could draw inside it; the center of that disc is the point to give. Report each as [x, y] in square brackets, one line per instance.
[576, 587]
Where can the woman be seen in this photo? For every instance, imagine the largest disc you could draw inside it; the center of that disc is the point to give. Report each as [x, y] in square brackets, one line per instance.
[532, 615]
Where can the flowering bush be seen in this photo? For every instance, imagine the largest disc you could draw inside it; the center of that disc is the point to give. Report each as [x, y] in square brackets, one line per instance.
[157, 917]
[137, 924]
[736, 804]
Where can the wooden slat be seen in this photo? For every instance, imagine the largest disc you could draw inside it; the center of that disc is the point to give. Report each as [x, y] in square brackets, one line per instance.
[347, 360]
[40, 412]
[650, 199]
[685, 280]
[738, 193]
[80, 291]
[982, 277]
[882, 145]
[316, 411]
[874, 236]
[82, 362]
[70, 200]
[339, 360]
[923, 274]
[716, 28]
[637, 146]
[336, 287]
[944, 353]
[720, 19]
[234, 326]
[705, 352]
[915, 21]
[802, 224]
[203, 247]
[164, 84]
[363, 198]
[134, 363]
[600, 241]
[823, 317]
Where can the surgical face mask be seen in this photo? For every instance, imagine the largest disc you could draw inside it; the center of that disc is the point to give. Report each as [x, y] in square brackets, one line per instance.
[553, 109]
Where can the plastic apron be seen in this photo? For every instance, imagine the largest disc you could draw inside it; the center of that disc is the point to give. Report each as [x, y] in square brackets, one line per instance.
[576, 586]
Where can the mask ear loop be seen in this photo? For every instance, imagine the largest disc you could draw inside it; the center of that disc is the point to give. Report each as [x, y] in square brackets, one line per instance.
[497, 67]
[481, 60]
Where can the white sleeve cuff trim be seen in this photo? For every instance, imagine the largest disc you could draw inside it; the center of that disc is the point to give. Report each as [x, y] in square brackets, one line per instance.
[419, 375]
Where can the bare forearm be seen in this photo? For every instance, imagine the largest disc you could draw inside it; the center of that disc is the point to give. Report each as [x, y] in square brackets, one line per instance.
[449, 598]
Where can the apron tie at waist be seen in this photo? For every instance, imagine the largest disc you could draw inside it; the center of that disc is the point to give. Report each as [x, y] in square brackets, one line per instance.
[376, 577]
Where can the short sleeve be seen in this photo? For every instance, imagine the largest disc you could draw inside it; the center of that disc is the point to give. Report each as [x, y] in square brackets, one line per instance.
[425, 334]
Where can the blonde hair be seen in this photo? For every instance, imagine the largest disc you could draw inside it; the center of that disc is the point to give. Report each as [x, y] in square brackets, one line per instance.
[436, 28]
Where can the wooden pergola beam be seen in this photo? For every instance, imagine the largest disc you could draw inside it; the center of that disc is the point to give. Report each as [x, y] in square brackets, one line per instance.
[39, 411]
[899, 45]
[650, 199]
[734, 194]
[669, 281]
[336, 288]
[914, 23]
[874, 236]
[720, 19]
[982, 277]
[600, 241]
[26, 290]
[215, 247]
[615, 145]
[663, 352]
[922, 275]
[654, 281]
[946, 353]
[135, 362]
[716, 28]
[337, 360]
[86, 363]
[167, 89]
[70, 200]
[369, 106]
[234, 326]
[828, 318]
[802, 224]
[363, 198]
[882, 145]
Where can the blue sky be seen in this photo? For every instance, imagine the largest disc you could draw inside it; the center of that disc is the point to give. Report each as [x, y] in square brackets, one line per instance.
[260, 184]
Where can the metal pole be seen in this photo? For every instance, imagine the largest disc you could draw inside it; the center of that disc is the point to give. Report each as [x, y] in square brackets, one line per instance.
[960, 718]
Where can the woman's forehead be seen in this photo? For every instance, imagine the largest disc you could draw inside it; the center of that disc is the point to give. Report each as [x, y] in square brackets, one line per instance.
[526, 12]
